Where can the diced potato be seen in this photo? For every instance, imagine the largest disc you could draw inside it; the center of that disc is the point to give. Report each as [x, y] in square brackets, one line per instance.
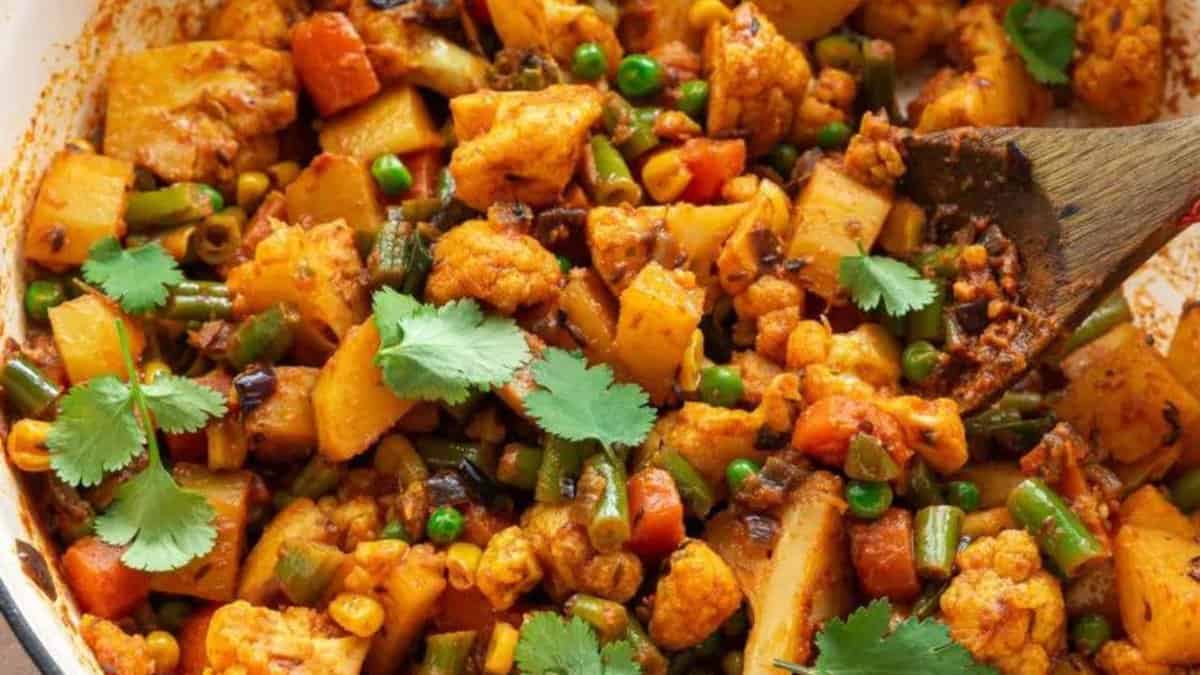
[283, 428]
[215, 576]
[260, 641]
[904, 229]
[1149, 508]
[555, 26]
[1130, 404]
[352, 405]
[301, 520]
[591, 313]
[802, 582]
[333, 187]
[85, 334]
[802, 21]
[1159, 594]
[80, 202]
[762, 233]
[870, 353]
[1183, 359]
[659, 311]
[184, 111]
[412, 591]
[701, 231]
[317, 270]
[395, 121]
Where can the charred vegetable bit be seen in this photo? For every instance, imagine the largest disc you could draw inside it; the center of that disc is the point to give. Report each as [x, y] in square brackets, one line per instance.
[447, 653]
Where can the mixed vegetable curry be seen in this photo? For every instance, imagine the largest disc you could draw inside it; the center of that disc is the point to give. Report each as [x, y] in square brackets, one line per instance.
[557, 337]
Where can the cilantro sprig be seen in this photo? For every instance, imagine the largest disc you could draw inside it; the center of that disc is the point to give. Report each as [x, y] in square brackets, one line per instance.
[863, 645]
[873, 279]
[138, 278]
[442, 353]
[549, 645]
[102, 426]
[1044, 37]
[578, 403]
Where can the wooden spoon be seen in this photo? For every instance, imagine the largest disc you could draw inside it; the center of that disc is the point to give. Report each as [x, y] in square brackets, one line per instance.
[1085, 207]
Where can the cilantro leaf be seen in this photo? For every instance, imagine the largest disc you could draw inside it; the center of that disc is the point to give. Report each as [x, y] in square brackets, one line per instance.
[861, 645]
[1044, 37]
[136, 277]
[550, 644]
[872, 279]
[181, 405]
[95, 432]
[578, 403]
[167, 525]
[441, 353]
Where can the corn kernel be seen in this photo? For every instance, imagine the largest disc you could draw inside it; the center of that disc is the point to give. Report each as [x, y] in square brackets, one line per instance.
[704, 13]
[975, 257]
[665, 176]
[252, 186]
[27, 446]
[501, 649]
[164, 650]
[283, 173]
[153, 369]
[462, 559]
[359, 615]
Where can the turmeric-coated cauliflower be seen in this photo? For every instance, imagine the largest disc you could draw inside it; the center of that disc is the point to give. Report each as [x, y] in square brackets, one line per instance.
[570, 562]
[508, 568]
[934, 429]
[253, 640]
[494, 264]
[873, 157]
[829, 100]
[694, 598]
[1121, 70]
[1118, 657]
[755, 77]
[1004, 607]
[913, 26]
[116, 651]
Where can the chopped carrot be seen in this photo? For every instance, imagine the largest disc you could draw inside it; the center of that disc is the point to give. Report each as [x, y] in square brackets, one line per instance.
[332, 62]
[711, 163]
[884, 558]
[101, 583]
[424, 165]
[825, 428]
[193, 638]
[657, 513]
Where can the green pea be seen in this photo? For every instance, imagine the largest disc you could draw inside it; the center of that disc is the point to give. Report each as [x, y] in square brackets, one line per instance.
[1185, 491]
[720, 386]
[394, 530]
[565, 264]
[391, 174]
[783, 158]
[589, 62]
[214, 196]
[868, 500]
[639, 75]
[1089, 632]
[693, 98]
[738, 471]
[445, 525]
[833, 135]
[41, 296]
[964, 494]
[919, 360]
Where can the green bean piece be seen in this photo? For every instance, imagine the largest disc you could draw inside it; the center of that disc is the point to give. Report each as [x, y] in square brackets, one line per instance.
[401, 258]
[645, 652]
[1089, 632]
[612, 184]
[1059, 532]
[609, 526]
[927, 604]
[868, 460]
[519, 465]
[840, 51]
[214, 196]
[879, 78]
[447, 653]
[445, 525]
[1023, 402]
[219, 236]
[305, 569]
[562, 462]
[263, 338]
[926, 323]
[868, 499]
[1108, 315]
[919, 360]
[942, 261]
[696, 493]
[183, 306]
[170, 206]
[937, 530]
[318, 478]
[27, 388]
[1185, 491]
[442, 453]
[964, 494]
[214, 289]
[610, 619]
[833, 135]
[641, 138]
[43, 295]
[923, 487]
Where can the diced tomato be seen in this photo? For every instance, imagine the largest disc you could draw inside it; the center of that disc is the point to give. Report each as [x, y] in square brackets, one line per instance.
[101, 583]
[424, 165]
[711, 163]
[656, 512]
[193, 637]
[884, 556]
[332, 62]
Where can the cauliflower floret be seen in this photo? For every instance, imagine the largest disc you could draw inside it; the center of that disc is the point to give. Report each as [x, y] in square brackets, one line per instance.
[765, 295]
[490, 262]
[912, 26]
[622, 241]
[520, 146]
[1121, 70]
[570, 562]
[357, 520]
[1004, 607]
[508, 568]
[869, 352]
[117, 652]
[934, 429]
[754, 75]
[1118, 657]
[773, 330]
[873, 157]
[694, 598]
[251, 640]
[829, 100]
